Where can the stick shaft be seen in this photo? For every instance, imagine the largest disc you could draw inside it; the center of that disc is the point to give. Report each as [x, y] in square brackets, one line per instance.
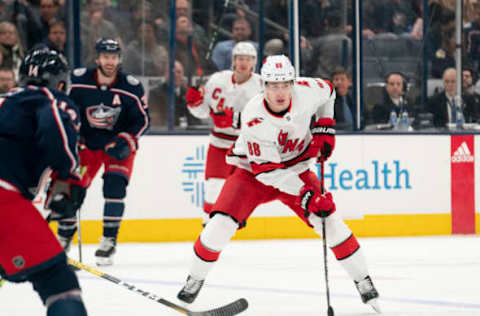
[324, 238]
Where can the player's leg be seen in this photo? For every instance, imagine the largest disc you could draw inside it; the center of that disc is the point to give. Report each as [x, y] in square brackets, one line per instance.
[341, 241]
[114, 191]
[216, 171]
[90, 163]
[39, 259]
[240, 195]
[115, 182]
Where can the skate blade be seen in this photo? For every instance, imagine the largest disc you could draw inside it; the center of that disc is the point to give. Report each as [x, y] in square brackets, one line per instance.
[374, 304]
[102, 262]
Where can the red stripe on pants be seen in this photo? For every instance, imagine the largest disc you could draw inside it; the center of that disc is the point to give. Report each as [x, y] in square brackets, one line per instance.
[346, 248]
[462, 184]
[205, 254]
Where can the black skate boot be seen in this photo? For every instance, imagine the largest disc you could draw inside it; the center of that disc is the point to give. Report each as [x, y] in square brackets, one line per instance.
[368, 293]
[191, 289]
[104, 254]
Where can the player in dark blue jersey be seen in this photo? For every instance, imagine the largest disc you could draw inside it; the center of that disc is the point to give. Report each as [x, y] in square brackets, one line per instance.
[114, 115]
[38, 137]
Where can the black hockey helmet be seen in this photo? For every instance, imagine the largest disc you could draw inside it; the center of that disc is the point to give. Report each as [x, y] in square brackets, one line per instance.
[107, 45]
[44, 67]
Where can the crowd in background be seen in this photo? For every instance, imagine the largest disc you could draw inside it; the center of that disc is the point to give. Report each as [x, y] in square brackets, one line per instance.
[392, 36]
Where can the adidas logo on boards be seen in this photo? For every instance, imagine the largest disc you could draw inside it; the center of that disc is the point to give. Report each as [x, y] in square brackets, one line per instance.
[462, 154]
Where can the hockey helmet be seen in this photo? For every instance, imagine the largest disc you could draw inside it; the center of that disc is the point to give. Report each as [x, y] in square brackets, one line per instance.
[277, 68]
[244, 48]
[44, 67]
[108, 45]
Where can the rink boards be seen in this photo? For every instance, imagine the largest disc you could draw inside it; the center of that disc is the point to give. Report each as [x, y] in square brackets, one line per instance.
[383, 185]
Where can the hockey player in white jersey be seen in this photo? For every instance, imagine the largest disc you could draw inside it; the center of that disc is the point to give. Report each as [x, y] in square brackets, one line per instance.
[225, 95]
[283, 131]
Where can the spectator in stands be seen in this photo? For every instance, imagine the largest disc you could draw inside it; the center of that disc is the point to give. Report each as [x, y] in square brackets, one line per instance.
[184, 8]
[444, 106]
[222, 52]
[344, 107]
[10, 47]
[469, 78]
[159, 101]
[332, 49]
[7, 79]
[189, 51]
[93, 26]
[394, 99]
[144, 56]
[471, 31]
[49, 11]
[57, 36]
[445, 55]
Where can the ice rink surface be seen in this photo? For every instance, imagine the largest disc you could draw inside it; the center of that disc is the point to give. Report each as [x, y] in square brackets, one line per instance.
[434, 276]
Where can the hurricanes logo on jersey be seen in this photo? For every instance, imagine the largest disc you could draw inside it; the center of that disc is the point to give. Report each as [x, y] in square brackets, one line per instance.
[102, 116]
[289, 144]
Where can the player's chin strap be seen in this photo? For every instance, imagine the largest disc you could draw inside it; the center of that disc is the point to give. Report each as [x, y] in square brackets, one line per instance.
[231, 309]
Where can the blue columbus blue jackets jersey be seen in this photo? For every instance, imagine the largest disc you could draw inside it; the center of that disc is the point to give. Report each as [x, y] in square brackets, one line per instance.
[106, 111]
[38, 133]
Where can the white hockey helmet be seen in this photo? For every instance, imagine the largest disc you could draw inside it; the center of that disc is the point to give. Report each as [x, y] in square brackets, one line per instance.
[277, 68]
[244, 48]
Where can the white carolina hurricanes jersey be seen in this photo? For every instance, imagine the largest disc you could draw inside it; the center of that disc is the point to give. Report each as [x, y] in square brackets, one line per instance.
[221, 91]
[274, 148]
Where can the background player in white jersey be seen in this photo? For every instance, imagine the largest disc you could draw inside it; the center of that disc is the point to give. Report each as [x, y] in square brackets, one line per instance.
[223, 98]
[273, 156]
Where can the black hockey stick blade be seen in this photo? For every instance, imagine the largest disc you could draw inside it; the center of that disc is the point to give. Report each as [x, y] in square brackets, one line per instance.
[330, 311]
[231, 309]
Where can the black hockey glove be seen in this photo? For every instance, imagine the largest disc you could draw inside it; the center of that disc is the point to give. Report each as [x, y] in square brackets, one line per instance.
[64, 199]
[122, 146]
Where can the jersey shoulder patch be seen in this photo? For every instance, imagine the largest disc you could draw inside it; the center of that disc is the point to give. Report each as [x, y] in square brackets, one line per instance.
[79, 72]
[132, 80]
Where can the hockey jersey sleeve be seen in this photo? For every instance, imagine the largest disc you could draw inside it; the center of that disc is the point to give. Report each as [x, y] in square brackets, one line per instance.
[57, 135]
[326, 105]
[138, 115]
[202, 111]
[264, 158]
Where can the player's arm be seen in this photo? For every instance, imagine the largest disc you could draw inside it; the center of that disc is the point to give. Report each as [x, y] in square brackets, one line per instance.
[58, 125]
[126, 142]
[198, 97]
[57, 137]
[323, 131]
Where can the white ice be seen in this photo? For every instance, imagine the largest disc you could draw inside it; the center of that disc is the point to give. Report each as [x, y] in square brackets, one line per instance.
[434, 276]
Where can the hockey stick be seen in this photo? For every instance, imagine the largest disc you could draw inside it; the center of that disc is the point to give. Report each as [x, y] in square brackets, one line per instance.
[79, 235]
[231, 309]
[324, 241]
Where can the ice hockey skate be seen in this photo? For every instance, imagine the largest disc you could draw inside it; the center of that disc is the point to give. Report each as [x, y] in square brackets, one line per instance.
[368, 293]
[65, 242]
[191, 289]
[104, 254]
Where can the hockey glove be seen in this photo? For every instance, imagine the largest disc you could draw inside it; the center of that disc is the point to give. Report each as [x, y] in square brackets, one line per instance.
[122, 146]
[194, 97]
[314, 202]
[63, 199]
[225, 119]
[323, 141]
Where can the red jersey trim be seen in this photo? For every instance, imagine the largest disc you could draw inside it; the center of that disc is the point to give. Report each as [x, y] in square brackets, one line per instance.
[224, 136]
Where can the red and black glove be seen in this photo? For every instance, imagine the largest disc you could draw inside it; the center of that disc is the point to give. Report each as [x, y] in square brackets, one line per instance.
[227, 118]
[121, 146]
[194, 97]
[323, 141]
[314, 202]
